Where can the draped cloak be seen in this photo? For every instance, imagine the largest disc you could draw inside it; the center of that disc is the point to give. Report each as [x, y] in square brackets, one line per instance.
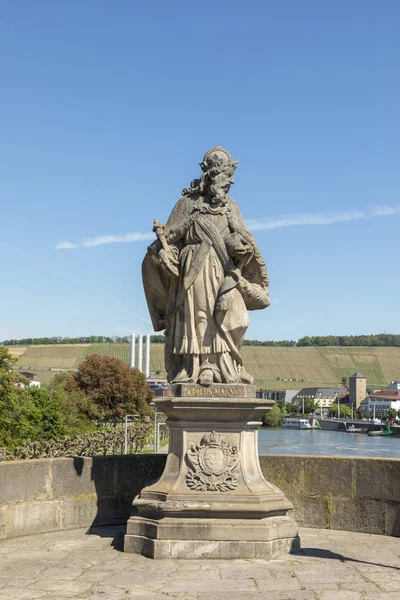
[204, 310]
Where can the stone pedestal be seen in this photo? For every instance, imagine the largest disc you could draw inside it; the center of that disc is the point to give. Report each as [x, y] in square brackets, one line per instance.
[212, 500]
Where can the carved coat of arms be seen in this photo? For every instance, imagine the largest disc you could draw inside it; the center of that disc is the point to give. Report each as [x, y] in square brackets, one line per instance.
[211, 464]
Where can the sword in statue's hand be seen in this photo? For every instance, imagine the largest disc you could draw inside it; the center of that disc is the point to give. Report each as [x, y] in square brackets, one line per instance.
[166, 257]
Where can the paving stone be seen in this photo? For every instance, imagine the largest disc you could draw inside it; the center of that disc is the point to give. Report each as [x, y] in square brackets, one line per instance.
[75, 565]
[245, 571]
[193, 585]
[340, 595]
[50, 585]
[359, 586]
[95, 575]
[238, 596]
[210, 574]
[60, 595]
[107, 592]
[61, 572]
[382, 596]
[287, 584]
[4, 582]
[297, 595]
[127, 578]
[15, 593]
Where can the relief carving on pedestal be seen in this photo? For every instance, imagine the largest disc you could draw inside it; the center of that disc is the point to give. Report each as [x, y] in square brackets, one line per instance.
[211, 464]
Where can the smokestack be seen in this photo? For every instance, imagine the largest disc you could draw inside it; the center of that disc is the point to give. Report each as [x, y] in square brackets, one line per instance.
[147, 362]
[132, 354]
[140, 352]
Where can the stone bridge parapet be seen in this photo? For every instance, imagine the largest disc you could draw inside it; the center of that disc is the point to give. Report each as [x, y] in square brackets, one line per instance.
[40, 496]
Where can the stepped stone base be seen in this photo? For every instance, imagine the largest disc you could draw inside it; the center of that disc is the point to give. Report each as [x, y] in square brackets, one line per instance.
[212, 500]
[197, 549]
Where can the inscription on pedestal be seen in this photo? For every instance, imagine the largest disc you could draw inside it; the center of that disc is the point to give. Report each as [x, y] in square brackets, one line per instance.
[192, 390]
[211, 464]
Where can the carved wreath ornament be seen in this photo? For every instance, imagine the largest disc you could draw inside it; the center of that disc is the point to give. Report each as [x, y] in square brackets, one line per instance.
[211, 465]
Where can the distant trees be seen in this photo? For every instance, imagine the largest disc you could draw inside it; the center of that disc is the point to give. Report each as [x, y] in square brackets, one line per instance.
[113, 386]
[25, 413]
[284, 343]
[103, 388]
[273, 418]
[344, 411]
[381, 339]
[91, 339]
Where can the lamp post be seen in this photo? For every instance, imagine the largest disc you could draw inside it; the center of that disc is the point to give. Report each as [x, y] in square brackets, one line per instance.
[126, 431]
[156, 445]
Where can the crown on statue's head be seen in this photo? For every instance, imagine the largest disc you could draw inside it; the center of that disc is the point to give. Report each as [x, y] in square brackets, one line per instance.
[218, 157]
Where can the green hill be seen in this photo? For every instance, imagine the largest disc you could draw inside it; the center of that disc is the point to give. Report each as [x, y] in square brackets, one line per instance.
[273, 367]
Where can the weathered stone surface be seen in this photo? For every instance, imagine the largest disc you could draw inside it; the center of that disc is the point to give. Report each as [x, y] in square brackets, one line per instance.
[369, 482]
[212, 500]
[201, 276]
[29, 481]
[71, 477]
[125, 576]
[132, 473]
[77, 511]
[358, 515]
[286, 472]
[318, 476]
[33, 517]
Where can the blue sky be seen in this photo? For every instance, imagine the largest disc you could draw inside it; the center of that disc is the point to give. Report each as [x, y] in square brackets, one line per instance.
[108, 107]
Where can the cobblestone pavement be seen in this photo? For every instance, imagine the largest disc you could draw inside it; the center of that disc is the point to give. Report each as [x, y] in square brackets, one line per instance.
[333, 565]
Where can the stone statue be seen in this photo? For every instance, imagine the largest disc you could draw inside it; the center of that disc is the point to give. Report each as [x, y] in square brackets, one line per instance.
[201, 276]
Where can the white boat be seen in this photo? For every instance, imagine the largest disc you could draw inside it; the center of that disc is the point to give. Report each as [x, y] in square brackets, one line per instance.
[297, 424]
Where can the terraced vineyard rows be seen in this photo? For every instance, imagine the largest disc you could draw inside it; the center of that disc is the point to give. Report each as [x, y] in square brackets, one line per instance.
[65, 356]
[273, 367]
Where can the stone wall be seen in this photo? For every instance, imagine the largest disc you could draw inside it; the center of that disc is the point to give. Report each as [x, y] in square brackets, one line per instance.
[37, 496]
[356, 494]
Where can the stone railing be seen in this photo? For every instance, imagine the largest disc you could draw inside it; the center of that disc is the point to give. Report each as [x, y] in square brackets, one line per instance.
[38, 496]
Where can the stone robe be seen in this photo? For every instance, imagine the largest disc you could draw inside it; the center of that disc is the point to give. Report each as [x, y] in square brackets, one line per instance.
[204, 310]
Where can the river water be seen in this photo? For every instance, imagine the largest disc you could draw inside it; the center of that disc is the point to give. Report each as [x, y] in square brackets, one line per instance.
[324, 442]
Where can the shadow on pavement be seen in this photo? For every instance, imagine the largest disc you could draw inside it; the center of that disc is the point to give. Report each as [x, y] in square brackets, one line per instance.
[321, 553]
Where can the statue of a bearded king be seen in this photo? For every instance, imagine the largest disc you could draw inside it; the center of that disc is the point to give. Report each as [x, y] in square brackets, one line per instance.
[201, 276]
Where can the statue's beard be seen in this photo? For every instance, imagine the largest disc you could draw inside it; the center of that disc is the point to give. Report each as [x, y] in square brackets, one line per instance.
[217, 193]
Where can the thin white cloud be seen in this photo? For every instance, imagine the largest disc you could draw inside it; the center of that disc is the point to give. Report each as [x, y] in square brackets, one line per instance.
[113, 239]
[117, 307]
[65, 246]
[327, 218]
[323, 218]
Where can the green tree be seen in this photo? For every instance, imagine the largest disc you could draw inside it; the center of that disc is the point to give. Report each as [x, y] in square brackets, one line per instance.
[113, 386]
[273, 418]
[79, 411]
[392, 413]
[310, 405]
[49, 424]
[344, 411]
[345, 381]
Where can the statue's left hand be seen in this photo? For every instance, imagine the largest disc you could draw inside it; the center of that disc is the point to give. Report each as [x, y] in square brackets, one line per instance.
[169, 262]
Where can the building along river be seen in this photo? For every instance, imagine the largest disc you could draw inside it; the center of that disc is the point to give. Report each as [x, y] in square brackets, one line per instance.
[323, 442]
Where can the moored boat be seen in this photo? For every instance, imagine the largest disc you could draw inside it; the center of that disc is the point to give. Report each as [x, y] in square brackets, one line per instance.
[383, 430]
[293, 423]
[353, 429]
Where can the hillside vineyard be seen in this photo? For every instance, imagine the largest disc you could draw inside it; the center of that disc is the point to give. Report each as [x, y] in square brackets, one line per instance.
[273, 368]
